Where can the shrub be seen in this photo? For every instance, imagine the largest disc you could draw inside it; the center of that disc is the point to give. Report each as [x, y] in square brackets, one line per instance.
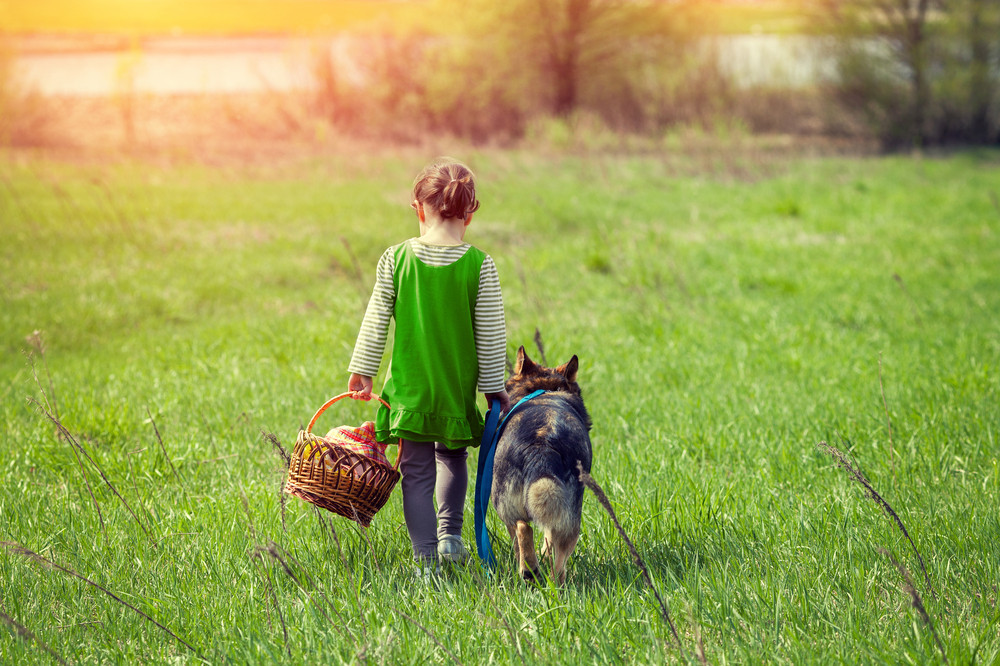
[920, 73]
[25, 118]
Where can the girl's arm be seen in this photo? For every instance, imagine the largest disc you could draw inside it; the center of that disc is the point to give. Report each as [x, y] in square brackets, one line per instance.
[371, 341]
[491, 331]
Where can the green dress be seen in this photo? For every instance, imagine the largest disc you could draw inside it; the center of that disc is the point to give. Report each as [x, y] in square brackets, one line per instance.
[433, 372]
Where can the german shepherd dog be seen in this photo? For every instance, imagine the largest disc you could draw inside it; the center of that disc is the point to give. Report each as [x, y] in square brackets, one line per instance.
[535, 475]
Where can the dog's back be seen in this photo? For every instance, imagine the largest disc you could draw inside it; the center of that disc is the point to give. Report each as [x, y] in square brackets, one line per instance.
[535, 478]
[535, 475]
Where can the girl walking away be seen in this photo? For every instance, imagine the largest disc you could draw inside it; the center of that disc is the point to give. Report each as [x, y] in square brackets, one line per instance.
[450, 338]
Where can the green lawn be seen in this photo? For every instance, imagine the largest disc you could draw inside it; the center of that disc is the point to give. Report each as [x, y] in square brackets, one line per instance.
[725, 327]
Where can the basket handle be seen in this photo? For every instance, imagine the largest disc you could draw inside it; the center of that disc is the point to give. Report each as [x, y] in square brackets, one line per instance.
[334, 399]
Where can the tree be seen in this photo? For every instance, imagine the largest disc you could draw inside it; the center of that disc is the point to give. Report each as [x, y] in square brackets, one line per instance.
[554, 56]
[923, 71]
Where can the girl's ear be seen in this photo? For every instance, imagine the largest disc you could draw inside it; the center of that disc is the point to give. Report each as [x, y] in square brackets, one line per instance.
[420, 210]
[468, 219]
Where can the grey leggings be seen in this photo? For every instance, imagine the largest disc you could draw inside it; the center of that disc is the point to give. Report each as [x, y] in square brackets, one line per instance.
[432, 470]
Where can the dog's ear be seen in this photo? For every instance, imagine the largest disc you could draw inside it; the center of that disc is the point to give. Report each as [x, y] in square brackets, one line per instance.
[523, 364]
[569, 369]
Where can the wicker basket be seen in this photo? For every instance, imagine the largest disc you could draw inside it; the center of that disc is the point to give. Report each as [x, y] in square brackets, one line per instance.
[337, 479]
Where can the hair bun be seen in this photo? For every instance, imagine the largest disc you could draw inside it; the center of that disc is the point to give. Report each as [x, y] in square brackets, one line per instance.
[447, 187]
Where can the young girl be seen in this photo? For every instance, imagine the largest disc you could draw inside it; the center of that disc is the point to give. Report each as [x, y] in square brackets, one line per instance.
[444, 295]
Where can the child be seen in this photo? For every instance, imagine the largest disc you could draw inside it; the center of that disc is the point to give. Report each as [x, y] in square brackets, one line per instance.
[444, 295]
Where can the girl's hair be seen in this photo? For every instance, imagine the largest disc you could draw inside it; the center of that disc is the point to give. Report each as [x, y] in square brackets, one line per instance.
[448, 187]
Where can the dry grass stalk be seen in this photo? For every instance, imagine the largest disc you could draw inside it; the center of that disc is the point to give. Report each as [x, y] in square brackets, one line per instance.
[35, 339]
[913, 301]
[699, 645]
[173, 534]
[28, 635]
[888, 422]
[164, 448]
[515, 637]
[76, 445]
[282, 503]
[540, 345]
[358, 272]
[278, 448]
[37, 343]
[856, 475]
[135, 487]
[80, 624]
[212, 460]
[429, 634]
[916, 601]
[21, 550]
[589, 482]
[257, 560]
[282, 556]
[79, 463]
[347, 567]
[286, 458]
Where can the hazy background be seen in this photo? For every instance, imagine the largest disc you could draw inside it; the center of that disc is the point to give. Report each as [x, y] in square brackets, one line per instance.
[886, 73]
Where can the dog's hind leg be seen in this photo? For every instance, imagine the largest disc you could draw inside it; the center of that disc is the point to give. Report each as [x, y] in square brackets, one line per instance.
[562, 548]
[512, 530]
[527, 560]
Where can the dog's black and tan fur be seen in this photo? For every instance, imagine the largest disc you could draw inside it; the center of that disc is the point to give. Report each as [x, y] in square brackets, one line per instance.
[535, 476]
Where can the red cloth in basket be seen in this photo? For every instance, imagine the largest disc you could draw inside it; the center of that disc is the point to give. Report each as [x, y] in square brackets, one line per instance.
[360, 440]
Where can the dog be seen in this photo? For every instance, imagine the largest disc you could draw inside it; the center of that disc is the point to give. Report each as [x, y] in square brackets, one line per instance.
[535, 475]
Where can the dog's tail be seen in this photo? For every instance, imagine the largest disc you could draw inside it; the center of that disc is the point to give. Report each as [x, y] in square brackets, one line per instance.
[552, 506]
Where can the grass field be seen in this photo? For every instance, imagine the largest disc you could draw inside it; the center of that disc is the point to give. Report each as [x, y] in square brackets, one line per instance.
[725, 326]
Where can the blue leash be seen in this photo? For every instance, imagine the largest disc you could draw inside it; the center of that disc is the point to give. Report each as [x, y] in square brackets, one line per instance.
[484, 476]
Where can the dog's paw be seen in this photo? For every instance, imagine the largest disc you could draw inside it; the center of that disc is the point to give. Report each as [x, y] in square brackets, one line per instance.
[533, 576]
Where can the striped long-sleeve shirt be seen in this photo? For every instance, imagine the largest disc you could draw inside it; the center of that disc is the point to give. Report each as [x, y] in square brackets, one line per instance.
[488, 318]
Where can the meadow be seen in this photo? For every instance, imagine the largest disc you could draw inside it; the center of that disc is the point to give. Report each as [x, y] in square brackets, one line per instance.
[728, 317]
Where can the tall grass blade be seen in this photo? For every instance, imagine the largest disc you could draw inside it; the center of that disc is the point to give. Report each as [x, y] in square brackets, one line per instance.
[282, 557]
[25, 552]
[76, 455]
[347, 567]
[515, 638]
[916, 601]
[257, 560]
[278, 448]
[913, 301]
[540, 345]
[845, 464]
[28, 635]
[888, 421]
[589, 482]
[38, 343]
[164, 448]
[76, 444]
[429, 634]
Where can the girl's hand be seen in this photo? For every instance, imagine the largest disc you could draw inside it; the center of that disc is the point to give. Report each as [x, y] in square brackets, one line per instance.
[360, 386]
[502, 397]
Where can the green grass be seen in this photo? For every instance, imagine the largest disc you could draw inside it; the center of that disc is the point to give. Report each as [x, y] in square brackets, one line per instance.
[725, 327]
